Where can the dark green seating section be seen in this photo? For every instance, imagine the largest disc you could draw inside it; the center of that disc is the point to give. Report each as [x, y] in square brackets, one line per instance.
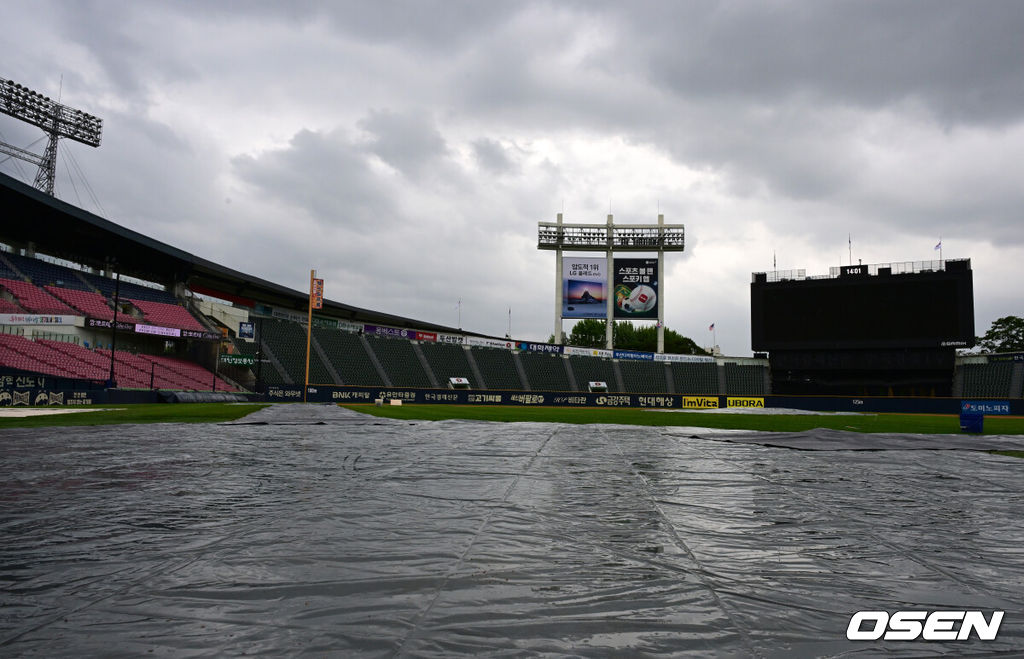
[545, 372]
[287, 340]
[744, 379]
[643, 377]
[593, 369]
[348, 357]
[400, 362]
[448, 361]
[497, 368]
[700, 378]
[269, 374]
[987, 380]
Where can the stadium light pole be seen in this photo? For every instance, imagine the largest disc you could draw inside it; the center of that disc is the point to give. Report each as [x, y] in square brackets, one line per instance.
[111, 382]
[55, 119]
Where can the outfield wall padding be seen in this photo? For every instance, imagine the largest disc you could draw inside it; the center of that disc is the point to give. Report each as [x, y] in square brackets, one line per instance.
[905, 405]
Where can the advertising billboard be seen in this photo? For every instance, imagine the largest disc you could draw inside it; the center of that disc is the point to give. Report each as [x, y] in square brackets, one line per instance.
[636, 288]
[584, 283]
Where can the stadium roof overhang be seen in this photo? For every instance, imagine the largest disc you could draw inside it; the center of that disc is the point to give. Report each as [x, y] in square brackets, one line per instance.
[54, 227]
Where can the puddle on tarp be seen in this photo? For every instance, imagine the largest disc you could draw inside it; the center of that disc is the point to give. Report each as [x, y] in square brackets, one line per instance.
[310, 530]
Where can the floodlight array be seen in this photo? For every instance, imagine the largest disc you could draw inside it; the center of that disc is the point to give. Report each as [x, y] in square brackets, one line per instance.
[32, 107]
[634, 237]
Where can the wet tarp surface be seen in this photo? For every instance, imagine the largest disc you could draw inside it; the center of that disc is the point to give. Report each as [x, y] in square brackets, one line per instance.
[313, 531]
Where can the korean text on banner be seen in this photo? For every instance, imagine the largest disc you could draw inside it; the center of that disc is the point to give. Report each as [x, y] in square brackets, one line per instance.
[317, 294]
[636, 288]
[584, 281]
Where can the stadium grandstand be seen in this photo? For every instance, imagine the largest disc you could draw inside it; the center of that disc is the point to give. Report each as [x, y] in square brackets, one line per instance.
[177, 314]
[187, 324]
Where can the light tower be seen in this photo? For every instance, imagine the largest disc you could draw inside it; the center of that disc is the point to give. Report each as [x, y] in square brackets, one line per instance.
[55, 119]
[610, 238]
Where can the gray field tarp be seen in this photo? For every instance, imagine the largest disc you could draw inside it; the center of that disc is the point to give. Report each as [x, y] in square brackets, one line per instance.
[309, 530]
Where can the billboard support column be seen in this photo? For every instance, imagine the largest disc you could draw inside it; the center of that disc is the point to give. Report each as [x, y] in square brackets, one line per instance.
[558, 291]
[609, 331]
[661, 288]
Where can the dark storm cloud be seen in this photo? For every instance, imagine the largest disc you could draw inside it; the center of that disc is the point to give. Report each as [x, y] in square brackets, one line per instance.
[961, 59]
[429, 26]
[117, 36]
[327, 175]
[459, 124]
[493, 157]
[409, 141]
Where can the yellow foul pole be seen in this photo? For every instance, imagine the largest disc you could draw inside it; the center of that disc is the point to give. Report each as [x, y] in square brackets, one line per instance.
[309, 331]
[316, 301]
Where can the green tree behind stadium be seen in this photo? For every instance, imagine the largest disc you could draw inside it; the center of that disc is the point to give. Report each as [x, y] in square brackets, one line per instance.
[590, 333]
[1005, 335]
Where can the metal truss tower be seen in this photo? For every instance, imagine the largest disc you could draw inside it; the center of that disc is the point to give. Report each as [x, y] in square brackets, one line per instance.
[55, 119]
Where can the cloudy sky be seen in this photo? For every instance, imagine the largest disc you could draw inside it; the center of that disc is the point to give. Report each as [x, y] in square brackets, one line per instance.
[407, 150]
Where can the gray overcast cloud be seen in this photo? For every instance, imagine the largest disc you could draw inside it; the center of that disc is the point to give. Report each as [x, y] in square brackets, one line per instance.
[407, 150]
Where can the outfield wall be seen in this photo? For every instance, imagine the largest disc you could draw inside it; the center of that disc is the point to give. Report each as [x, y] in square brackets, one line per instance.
[36, 391]
[352, 395]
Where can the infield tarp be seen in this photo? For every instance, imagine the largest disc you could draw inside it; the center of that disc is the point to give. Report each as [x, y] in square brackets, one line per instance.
[309, 530]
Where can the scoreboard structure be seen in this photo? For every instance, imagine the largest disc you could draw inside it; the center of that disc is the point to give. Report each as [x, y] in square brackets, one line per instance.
[889, 329]
[630, 286]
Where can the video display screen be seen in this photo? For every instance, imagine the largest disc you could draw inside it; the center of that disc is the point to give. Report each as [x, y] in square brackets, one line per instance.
[906, 310]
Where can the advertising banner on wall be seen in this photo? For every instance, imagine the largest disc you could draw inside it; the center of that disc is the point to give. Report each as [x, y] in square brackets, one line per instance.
[584, 281]
[664, 357]
[490, 343]
[392, 332]
[38, 319]
[549, 348]
[587, 352]
[636, 288]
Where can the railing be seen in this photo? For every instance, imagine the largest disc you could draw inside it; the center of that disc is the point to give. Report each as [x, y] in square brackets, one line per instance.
[898, 268]
[901, 268]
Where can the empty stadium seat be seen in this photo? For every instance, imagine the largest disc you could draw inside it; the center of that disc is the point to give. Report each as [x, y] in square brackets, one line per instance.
[593, 369]
[34, 299]
[70, 360]
[87, 303]
[287, 340]
[744, 379]
[399, 361]
[497, 368]
[43, 273]
[348, 357]
[448, 361]
[166, 315]
[545, 372]
[991, 380]
[698, 378]
[643, 377]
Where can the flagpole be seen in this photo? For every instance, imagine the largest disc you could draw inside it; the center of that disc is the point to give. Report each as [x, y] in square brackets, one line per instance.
[309, 331]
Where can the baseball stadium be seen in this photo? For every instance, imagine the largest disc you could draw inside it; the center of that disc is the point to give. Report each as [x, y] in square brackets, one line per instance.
[368, 484]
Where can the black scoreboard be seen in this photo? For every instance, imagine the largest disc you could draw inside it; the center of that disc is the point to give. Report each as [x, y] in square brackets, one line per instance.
[861, 309]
